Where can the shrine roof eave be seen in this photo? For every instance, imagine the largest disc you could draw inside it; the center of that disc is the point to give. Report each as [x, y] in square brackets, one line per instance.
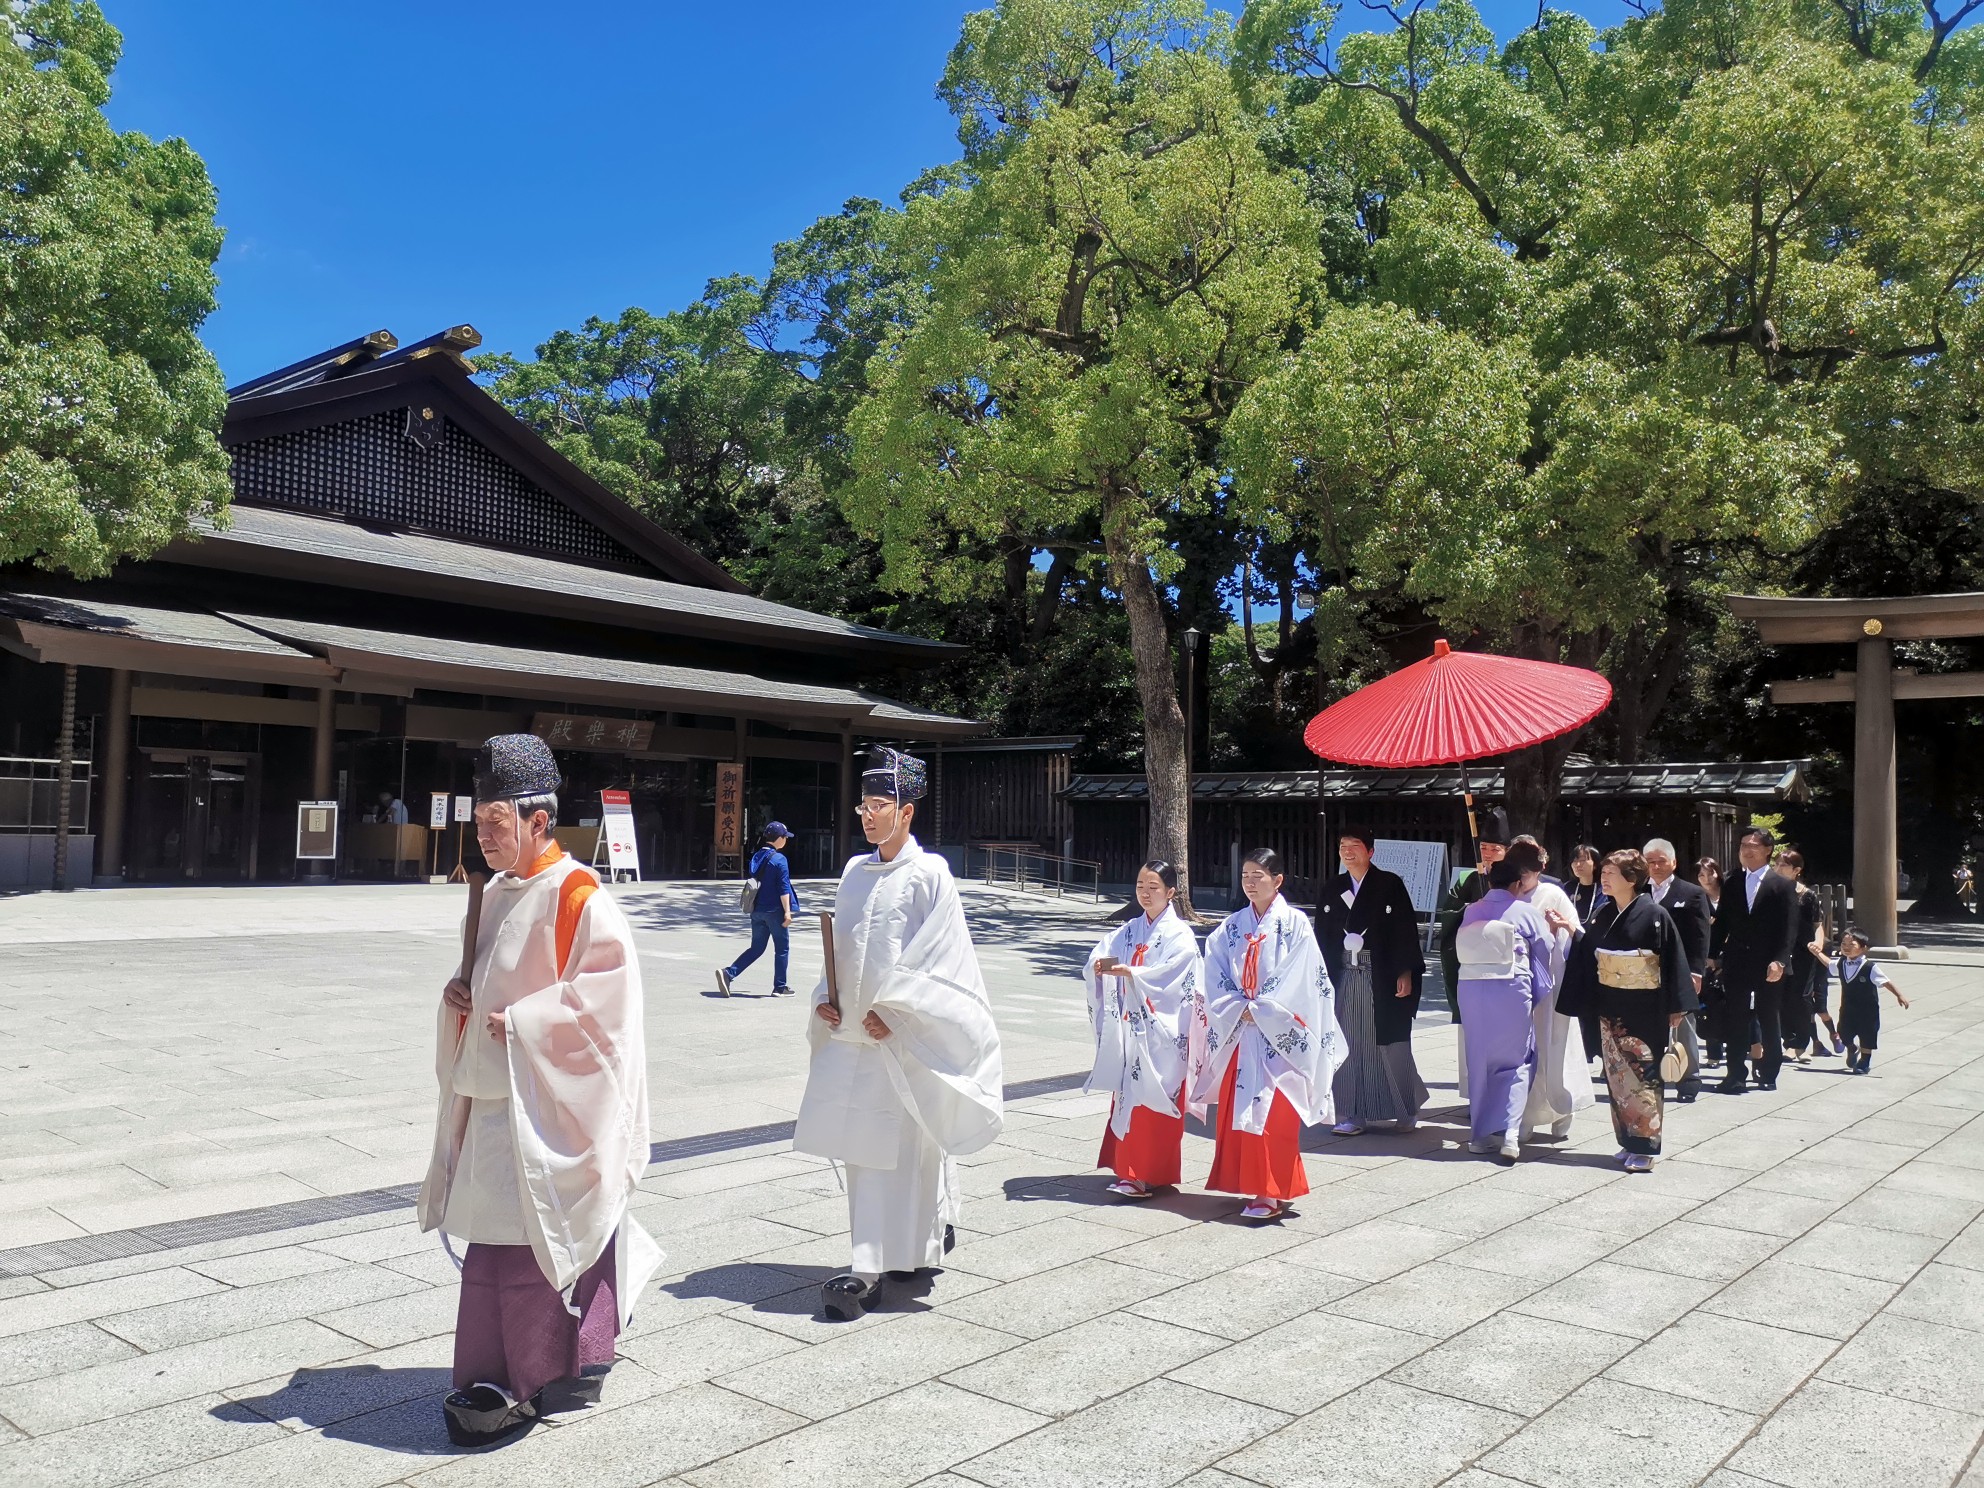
[1914, 617]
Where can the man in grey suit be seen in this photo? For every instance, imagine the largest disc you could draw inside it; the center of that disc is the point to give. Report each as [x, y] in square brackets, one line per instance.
[1687, 904]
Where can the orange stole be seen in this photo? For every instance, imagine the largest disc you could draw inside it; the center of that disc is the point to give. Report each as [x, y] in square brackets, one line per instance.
[1268, 1165]
[572, 896]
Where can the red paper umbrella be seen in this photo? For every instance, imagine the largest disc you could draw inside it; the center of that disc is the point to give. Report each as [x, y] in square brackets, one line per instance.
[1456, 706]
[1453, 707]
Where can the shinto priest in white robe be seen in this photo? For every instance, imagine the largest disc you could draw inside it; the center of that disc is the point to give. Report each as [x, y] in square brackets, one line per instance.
[1150, 1027]
[896, 1111]
[542, 1136]
[1292, 1044]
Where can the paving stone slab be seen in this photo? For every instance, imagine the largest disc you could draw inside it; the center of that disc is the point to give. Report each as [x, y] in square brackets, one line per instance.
[1856, 1250]
[368, 1451]
[58, 1350]
[244, 1308]
[1781, 1294]
[1609, 1434]
[1305, 1362]
[305, 1399]
[1829, 1436]
[833, 1377]
[34, 1311]
[1175, 1428]
[1382, 1436]
[1513, 1363]
[1241, 1302]
[1913, 1360]
[1044, 1303]
[1039, 1247]
[1613, 1298]
[1438, 1299]
[1375, 1249]
[135, 1445]
[1725, 1361]
[704, 1348]
[1944, 1294]
[1077, 1367]
[1706, 1252]
[899, 1439]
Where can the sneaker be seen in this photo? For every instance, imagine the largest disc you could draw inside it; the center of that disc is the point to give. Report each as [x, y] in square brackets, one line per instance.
[781, 991]
[1638, 1162]
[723, 981]
[1511, 1150]
[1482, 1147]
[1838, 1044]
[1349, 1128]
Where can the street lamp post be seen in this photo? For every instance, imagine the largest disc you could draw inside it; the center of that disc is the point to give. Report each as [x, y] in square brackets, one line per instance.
[1191, 640]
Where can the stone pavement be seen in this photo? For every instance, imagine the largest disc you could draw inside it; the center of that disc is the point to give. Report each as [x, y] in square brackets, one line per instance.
[1794, 1297]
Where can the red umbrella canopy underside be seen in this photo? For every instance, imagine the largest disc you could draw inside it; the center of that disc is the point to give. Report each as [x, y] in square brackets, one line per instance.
[1456, 706]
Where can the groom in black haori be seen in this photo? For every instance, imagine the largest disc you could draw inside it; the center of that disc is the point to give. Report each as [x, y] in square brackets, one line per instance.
[1370, 941]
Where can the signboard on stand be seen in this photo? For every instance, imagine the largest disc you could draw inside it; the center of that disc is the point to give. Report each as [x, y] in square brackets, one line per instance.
[616, 835]
[729, 817]
[1423, 866]
[316, 830]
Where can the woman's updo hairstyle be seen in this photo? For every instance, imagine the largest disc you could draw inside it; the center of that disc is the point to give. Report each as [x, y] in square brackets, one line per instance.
[1166, 873]
[1631, 866]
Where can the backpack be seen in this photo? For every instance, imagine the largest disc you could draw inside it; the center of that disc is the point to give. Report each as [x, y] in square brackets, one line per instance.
[747, 897]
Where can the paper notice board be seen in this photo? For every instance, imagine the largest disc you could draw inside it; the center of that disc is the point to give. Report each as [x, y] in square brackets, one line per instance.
[1423, 866]
[616, 827]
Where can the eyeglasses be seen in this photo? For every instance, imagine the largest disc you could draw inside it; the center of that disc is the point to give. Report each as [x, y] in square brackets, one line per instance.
[875, 808]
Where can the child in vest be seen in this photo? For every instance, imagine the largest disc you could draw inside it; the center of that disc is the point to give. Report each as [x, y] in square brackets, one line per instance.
[1860, 981]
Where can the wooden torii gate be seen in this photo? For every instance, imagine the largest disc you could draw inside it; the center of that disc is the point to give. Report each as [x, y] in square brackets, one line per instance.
[1872, 625]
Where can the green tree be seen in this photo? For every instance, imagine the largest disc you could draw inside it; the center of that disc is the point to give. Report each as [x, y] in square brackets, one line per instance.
[110, 408]
[1694, 278]
[1115, 261]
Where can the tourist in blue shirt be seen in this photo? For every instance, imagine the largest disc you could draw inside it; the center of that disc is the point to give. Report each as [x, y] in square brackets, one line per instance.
[771, 912]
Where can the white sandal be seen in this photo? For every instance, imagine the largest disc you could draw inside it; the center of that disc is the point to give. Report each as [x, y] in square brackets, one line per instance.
[1264, 1209]
[1130, 1188]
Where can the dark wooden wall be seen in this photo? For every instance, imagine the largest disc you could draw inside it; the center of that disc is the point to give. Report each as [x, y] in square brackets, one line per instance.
[1004, 796]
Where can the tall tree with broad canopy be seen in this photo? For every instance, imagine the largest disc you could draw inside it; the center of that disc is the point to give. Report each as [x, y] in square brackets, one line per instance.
[110, 408]
[1114, 262]
[1686, 285]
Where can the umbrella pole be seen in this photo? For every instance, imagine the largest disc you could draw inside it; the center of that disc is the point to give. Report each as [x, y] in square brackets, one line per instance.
[1473, 827]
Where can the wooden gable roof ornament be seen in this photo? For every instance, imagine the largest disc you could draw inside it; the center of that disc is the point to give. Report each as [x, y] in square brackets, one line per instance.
[1871, 626]
[400, 436]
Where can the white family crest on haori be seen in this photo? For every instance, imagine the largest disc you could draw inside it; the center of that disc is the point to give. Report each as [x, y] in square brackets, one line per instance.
[901, 948]
[1291, 1043]
[1150, 1027]
[542, 1136]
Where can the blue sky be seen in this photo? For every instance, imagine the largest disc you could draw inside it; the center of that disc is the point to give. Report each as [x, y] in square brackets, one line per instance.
[520, 167]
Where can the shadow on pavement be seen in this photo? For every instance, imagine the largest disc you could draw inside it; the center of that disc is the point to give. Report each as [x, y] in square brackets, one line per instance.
[396, 1410]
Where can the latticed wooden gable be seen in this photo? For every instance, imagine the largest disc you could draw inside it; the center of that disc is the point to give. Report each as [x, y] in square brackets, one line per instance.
[369, 469]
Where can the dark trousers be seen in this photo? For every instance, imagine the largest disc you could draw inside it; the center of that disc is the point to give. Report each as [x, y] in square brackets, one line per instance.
[1713, 1020]
[767, 925]
[1772, 1003]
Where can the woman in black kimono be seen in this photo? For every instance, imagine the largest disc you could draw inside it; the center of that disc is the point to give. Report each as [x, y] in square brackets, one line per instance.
[1630, 969]
[1802, 1035]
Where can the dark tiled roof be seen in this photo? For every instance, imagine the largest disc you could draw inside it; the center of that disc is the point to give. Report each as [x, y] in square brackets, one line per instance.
[257, 533]
[1779, 780]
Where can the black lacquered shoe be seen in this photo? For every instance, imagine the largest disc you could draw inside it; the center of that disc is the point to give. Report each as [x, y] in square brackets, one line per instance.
[950, 1238]
[847, 1296]
[482, 1416]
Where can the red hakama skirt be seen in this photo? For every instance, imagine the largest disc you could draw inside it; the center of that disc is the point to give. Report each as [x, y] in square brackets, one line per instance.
[1267, 1165]
[1152, 1153]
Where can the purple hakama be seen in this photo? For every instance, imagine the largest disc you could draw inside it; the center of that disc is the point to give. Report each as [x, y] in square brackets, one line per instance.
[512, 1328]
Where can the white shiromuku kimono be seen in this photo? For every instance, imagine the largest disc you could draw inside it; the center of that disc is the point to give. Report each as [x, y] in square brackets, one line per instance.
[1562, 1085]
[1293, 1044]
[897, 1111]
[1150, 1029]
[542, 1136]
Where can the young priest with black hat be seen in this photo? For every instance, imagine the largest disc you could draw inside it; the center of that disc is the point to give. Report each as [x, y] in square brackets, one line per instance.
[905, 1072]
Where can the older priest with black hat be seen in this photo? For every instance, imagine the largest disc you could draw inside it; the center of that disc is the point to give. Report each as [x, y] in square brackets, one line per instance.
[542, 1132]
[905, 1070]
[1370, 940]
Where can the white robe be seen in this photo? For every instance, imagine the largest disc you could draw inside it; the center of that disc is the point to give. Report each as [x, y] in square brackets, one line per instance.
[1562, 1085]
[897, 1111]
[1292, 1043]
[1150, 1028]
[541, 1137]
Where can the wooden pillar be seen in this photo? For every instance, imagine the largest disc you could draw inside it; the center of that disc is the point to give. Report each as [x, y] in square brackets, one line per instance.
[323, 741]
[844, 817]
[65, 772]
[115, 774]
[1875, 842]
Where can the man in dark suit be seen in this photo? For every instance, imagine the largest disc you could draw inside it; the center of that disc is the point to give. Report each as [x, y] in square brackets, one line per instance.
[1687, 905]
[1755, 943]
[1370, 941]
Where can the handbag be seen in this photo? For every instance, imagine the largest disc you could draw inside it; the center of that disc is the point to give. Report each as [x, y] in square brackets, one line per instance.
[1674, 1063]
